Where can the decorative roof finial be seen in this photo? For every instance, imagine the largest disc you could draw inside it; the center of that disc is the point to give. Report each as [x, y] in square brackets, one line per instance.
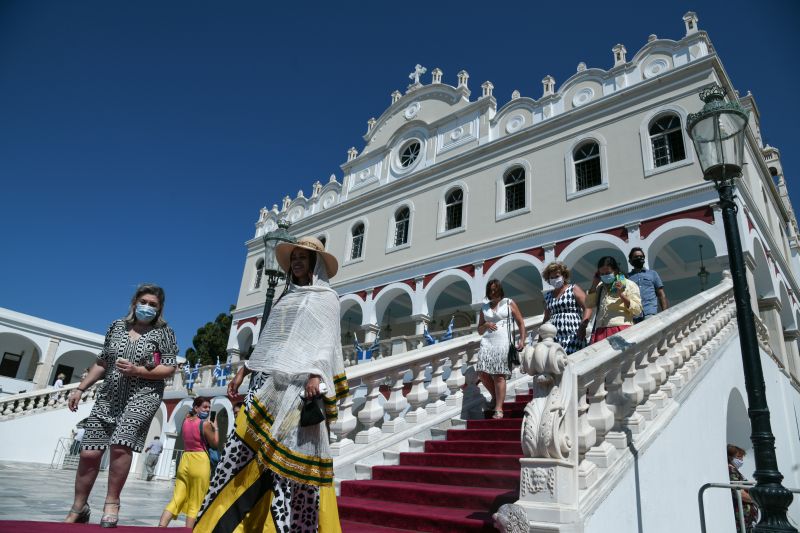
[286, 202]
[371, 124]
[352, 153]
[419, 70]
[619, 54]
[652, 37]
[332, 179]
[396, 95]
[548, 85]
[316, 189]
[581, 66]
[436, 75]
[463, 77]
[515, 94]
[690, 19]
[487, 87]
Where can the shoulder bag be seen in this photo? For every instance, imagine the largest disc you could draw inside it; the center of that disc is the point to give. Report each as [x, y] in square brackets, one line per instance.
[213, 453]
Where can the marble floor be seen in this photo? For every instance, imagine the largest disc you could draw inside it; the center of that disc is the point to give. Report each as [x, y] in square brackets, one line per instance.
[35, 492]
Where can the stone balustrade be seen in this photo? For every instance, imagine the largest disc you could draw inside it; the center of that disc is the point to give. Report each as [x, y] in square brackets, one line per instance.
[17, 405]
[401, 344]
[591, 406]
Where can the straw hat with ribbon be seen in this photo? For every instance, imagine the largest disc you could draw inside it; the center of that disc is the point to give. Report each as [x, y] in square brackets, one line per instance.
[283, 252]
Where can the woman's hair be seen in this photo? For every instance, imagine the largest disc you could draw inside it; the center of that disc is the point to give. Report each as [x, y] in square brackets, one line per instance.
[499, 287]
[200, 400]
[147, 288]
[733, 451]
[555, 268]
[608, 261]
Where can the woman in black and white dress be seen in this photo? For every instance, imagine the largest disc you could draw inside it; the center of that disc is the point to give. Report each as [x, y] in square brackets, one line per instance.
[495, 322]
[565, 308]
[138, 355]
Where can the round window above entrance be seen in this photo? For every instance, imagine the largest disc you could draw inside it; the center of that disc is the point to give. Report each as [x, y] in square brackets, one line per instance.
[409, 153]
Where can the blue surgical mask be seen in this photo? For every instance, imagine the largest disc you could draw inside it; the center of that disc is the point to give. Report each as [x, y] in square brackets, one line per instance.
[202, 416]
[145, 313]
[608, 279]
[737, 462]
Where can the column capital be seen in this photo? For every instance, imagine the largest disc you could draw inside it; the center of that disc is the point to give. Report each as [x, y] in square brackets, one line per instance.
[373, 328]
[421, 317]
[770, 303]
[791, 334]
[549, 246]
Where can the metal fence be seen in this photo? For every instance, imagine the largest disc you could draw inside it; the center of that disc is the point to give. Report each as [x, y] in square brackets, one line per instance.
[737, 488]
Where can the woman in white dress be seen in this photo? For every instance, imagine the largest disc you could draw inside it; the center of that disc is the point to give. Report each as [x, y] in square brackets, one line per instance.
[494, 324]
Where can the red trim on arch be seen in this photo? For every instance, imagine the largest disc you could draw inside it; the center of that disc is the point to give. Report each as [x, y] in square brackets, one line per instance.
[703, 214]
[376, 290]
[170, 405]
[427, 279]
[560, 246]
[488, 263]
[250, 320]
[620, 233]
[362, 295]
[469, 269]
[537, 252]
[411, 283]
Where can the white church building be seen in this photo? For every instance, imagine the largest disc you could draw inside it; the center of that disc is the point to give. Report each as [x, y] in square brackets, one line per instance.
[447, 190]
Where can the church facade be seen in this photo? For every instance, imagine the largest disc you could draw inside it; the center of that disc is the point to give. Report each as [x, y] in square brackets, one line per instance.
[450, 190]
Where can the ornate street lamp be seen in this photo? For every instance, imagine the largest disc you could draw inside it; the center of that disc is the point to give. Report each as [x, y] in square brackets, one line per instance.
[703, 273]
[718, 132]
[271, 267]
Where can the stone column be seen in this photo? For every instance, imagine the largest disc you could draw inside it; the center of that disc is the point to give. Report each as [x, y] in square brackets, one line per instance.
[370, 333]
[234, 356]
[790, 337]
[420, 321]
[549, 252]
[45, 365]
[770, 311]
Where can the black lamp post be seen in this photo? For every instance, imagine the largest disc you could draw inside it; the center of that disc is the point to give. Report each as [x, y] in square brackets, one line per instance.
[718, 132]
[703, 273]
[271, 267]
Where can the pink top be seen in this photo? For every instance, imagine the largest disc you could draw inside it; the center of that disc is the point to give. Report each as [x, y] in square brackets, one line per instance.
[191, 435]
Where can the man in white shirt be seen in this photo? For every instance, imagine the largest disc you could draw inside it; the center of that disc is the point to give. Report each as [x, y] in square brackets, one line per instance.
[153, 451]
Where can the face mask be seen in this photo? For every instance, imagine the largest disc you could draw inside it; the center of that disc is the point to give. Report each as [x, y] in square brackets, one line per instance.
[557, 283]
[738, 462]
[145, 313]
[202, 416]
[637, 262]
[608, 279]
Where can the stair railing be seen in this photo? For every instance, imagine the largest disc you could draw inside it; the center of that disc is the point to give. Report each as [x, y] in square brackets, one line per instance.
[588, 408]
[17, 405]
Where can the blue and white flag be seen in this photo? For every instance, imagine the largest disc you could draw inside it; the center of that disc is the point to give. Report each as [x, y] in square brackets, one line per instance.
[449, 333]
[428, 337]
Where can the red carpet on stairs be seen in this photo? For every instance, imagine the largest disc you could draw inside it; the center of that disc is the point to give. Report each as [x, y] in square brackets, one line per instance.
[455, 485]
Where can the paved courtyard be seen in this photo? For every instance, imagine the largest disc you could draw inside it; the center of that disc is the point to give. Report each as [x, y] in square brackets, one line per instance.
[36, 492]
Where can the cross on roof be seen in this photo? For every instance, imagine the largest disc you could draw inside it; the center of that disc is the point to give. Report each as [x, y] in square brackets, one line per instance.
[419, 70]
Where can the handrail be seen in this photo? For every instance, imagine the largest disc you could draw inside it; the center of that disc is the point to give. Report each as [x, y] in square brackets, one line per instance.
[26, 402]
[738, 487]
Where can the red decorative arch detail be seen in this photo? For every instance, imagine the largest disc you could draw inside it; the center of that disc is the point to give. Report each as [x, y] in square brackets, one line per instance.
[489, 262]
[170, 405]
[560, 246]
[703, 213]
[411, 283]
[427, 279]
[250, 320]
[537, 252]
[362, 295]
[376, 290]
[469, 269]
[620, 233]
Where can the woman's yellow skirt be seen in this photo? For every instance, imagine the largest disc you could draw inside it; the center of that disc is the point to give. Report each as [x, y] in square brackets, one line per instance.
[191, 484]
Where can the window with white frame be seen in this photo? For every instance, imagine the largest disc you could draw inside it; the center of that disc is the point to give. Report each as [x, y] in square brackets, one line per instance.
[666, 139]
[402, 219]
[409, 153]
[357, 243]
[454, 209]
[259, 273]
[514, 183]
[586, 158]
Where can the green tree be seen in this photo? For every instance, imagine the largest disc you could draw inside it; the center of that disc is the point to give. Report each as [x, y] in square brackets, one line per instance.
[211, 340]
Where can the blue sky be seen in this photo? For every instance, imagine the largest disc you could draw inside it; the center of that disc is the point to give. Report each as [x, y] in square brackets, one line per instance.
[138, 140]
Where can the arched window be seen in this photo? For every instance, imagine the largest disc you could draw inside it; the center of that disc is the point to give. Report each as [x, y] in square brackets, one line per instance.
[666, 138]
[409, 153]
[454, 208]
[587, 166]
[259, 273]
[402, 217]
[514, 182]
[323, 240]
[357, 244]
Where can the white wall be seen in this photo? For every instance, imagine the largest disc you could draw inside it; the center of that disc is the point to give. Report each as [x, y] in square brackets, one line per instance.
[690, 452]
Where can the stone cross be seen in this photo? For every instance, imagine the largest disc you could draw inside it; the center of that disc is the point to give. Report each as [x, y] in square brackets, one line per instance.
[419, 70]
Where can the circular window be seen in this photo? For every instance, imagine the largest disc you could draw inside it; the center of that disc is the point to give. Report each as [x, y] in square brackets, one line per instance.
[409, 153]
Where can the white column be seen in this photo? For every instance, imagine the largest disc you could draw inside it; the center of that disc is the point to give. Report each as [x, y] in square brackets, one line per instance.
[45, 365]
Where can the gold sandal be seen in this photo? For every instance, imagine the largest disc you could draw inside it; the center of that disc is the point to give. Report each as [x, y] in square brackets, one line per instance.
[497, 415]
[108, 519]
[83, 514]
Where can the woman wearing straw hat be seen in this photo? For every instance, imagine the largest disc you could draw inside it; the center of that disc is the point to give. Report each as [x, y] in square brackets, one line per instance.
[276, 470]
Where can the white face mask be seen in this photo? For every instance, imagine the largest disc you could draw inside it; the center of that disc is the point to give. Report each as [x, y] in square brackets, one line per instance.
[737, 462]
[557, 283]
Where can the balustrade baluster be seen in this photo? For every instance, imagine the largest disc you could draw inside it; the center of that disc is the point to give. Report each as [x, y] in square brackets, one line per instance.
[418, 395]
[396, 404]
[344, 424]
[587, 436]
[371, 413]
[646, 379]
[631, 393]
[456, 379]
[437, 387]
[8, 407]
[601, 418]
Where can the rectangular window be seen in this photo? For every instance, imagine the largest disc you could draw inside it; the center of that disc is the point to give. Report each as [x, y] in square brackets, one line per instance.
[453, 217]
[401, 232]
[587, 174]
[358, 243]
[668, 149]
[10, 364]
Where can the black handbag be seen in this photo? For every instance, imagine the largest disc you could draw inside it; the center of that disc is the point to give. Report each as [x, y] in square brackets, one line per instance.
[513, 354]
[311, 412]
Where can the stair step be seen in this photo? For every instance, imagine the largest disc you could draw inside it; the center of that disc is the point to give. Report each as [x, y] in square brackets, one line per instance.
[503, 435]
[479, 447]
[427, 495]
[462, 477]
[400, 515]
[356, 527]
[461, 460]
[495, 423]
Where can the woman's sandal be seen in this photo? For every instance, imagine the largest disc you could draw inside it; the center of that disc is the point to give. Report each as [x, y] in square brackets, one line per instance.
[108, 519]
[83, 514]
[497, 415]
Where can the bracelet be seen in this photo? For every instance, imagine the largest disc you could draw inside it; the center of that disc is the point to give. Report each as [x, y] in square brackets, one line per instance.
[80, 389]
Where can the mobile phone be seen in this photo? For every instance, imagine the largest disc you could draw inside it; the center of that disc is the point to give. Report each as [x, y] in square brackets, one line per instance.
[212, 416]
